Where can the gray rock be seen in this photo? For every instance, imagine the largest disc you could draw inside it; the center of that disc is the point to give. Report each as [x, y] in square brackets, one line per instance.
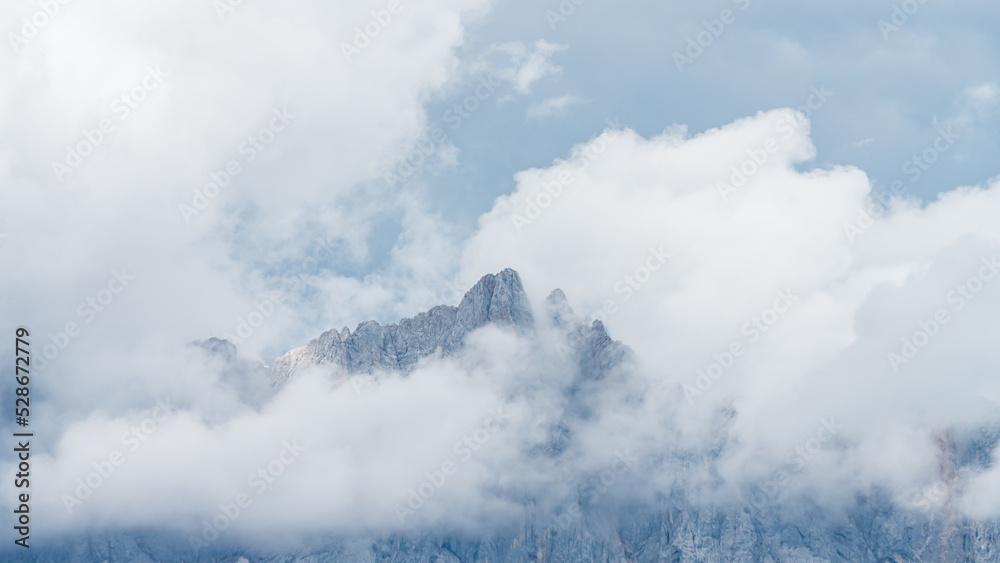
[873, 531]
[594, 351]
[560, 313]
[250, 380]
[674, 528]
[497, 299]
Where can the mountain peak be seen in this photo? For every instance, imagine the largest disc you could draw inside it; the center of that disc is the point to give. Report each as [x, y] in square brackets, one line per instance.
[560, 313]
[497, 299]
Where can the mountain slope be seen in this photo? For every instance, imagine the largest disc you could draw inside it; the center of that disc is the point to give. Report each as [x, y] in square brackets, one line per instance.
[669, 526]
[496, 299]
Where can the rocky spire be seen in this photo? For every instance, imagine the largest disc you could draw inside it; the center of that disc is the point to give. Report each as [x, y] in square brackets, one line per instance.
[497, 299]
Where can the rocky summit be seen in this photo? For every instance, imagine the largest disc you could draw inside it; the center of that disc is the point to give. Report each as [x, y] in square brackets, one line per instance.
[497, 299]
[670, 527]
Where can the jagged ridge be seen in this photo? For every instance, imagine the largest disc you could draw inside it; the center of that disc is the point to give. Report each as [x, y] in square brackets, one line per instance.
[497, 299]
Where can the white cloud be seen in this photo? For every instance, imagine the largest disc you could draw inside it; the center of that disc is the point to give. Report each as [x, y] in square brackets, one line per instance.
[315, 190]
[319, 178]
[524, 65]
[553, 107]
[587, 224]
[983, 98]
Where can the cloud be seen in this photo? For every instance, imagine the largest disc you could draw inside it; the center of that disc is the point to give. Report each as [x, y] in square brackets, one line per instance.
[983, 98]
[153, 193]
[259, 122]
[524, 65]
[552, 107]
[688, 247]
[743, 224]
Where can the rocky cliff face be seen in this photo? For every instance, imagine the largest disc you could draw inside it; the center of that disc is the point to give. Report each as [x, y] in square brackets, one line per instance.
[871, 531]
[496, 299]
[672, 528]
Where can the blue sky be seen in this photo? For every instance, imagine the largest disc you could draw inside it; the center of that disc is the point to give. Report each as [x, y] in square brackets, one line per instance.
[888, 92]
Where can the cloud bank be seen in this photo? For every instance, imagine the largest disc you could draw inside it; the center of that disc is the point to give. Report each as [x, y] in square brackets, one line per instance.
[757, 322]
[784, 318]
